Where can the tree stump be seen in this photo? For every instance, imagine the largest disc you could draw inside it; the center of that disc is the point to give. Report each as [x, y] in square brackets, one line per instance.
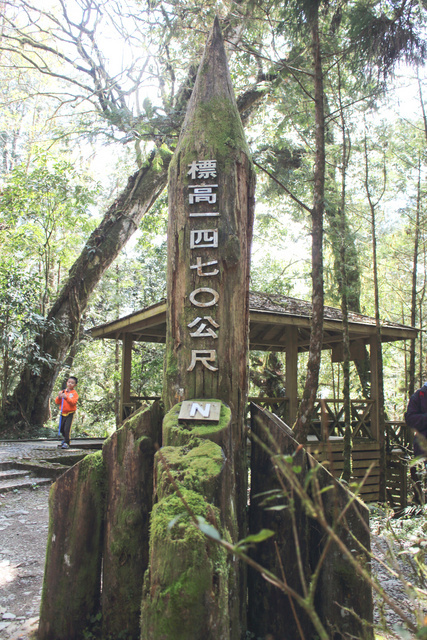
[187, 586]
[128, 458]
[72, 579]
[340, 589]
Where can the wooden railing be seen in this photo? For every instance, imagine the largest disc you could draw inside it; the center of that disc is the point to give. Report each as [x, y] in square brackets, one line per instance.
[327, 420]
[398, 435]
[328, 416]
[279, 406]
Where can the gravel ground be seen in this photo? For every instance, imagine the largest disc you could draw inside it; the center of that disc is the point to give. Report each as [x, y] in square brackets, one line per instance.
[23, 533]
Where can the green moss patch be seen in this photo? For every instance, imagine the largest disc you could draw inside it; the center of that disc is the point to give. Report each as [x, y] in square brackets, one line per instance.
[189, 573]
[93, 465]
[195, 468]
[180, 434]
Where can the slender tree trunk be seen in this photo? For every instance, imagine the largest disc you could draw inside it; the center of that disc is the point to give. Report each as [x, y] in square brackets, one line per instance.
[316, 333]
[421, 358]
[380, 399]
[411, 388]
[340, 229]
[348, 436]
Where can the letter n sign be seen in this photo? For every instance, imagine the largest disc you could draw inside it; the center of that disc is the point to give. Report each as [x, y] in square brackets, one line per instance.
[199, 410]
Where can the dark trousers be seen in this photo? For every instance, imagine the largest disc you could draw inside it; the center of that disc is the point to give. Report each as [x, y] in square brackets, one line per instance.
[66, 426]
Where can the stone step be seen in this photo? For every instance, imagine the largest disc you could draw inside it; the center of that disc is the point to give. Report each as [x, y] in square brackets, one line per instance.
[23, 483]
[6, 465]
[8, 474]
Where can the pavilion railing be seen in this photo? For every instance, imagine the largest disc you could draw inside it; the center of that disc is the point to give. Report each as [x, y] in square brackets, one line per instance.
[327, 419]
[328, 416]
[398, 435]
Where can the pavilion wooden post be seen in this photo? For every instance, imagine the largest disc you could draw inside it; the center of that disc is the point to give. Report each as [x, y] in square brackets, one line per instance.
[211, 206]
[126, 373]
[292, 373]
[376, 422]
[375, 419]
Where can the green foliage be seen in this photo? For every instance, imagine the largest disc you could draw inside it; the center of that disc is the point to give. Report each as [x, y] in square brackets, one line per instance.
[44, 217]
[44, 212]
[20, 321]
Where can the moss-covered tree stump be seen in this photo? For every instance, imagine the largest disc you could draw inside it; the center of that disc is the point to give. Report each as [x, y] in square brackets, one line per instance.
[72, 580]
[128, 457]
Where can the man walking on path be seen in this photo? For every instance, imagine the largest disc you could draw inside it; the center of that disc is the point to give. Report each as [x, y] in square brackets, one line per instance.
[68, 401]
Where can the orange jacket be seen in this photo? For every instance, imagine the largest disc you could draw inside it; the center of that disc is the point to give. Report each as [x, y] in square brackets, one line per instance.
[70, 402]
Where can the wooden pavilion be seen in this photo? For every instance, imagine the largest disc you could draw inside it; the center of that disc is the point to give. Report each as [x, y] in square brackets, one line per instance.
[280, 323]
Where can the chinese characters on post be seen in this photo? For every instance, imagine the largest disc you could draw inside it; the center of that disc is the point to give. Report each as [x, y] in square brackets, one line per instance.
[200, 241]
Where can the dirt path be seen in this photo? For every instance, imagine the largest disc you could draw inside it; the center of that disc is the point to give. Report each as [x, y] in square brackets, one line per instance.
[23, 535]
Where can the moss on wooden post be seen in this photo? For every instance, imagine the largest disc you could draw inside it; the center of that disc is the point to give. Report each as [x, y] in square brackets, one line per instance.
[128, 456]
[72, 579]
[190, 581]
[186, 587]
[211, 209]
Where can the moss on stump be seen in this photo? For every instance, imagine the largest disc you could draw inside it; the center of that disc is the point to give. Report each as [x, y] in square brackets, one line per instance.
[128, 457]
[72, 579]
[181, 434]
[186, 587]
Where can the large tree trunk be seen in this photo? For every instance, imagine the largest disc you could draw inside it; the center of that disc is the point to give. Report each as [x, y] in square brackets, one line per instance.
[30, 400]
[316, 334]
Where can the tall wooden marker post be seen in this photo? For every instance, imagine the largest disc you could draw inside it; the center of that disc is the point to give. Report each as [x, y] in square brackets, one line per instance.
[211, 208]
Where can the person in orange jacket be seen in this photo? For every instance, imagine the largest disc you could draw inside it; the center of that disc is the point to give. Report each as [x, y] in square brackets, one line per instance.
[67, 398]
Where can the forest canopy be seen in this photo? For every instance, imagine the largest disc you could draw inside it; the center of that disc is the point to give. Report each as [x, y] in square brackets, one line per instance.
[93, 95]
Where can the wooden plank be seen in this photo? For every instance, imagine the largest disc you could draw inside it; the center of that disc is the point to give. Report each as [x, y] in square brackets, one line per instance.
[360, 473]
[371, 497]
[356, 463]
[364, 455]
[368, 445]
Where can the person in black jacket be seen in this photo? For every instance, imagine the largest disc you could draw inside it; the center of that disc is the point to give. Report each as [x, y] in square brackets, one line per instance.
[416, 419]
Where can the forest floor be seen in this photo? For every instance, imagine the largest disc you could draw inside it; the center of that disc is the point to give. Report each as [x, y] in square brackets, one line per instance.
[24, 519]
